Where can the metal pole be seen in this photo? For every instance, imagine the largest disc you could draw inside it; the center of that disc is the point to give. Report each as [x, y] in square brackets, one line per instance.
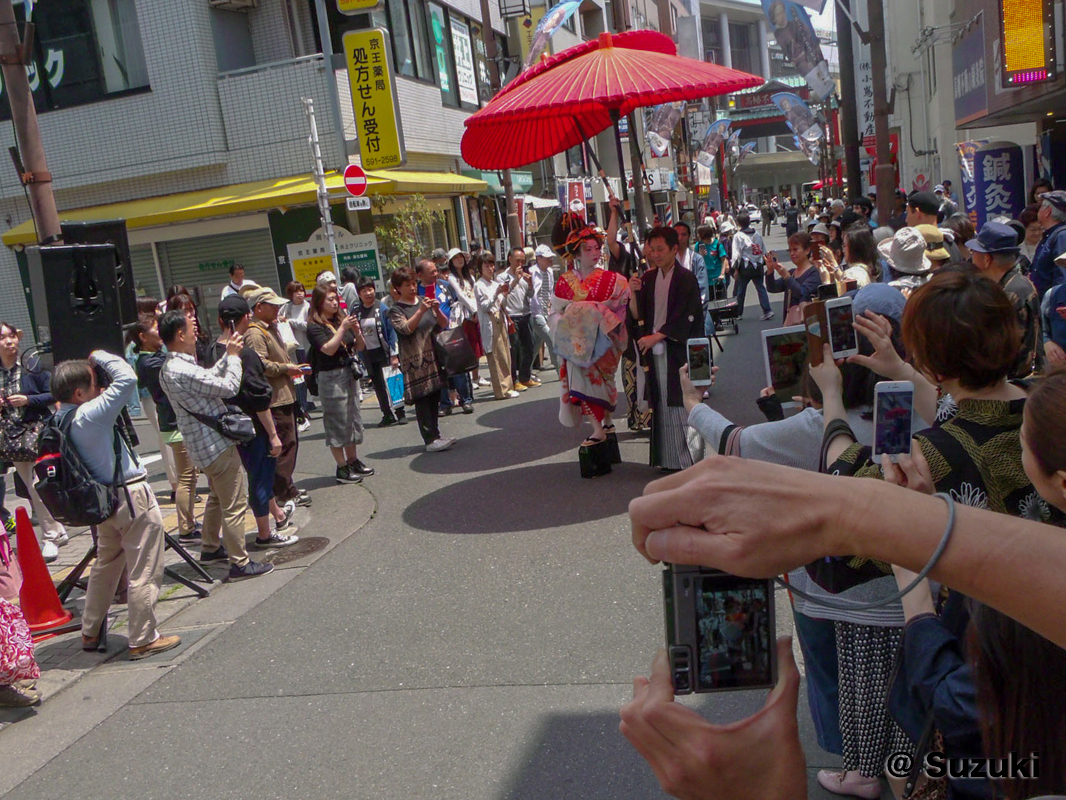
[885, 173]
[514, 230]
[323, 193]
[331, 78]
[849, 110]
[35, 172]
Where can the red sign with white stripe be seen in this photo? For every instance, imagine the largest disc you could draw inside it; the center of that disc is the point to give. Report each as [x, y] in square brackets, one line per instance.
[355, 180]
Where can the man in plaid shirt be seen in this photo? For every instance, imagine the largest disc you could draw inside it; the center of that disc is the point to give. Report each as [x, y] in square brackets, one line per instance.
[191, 388]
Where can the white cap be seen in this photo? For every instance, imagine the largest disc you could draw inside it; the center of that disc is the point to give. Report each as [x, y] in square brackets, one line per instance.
[543, 251]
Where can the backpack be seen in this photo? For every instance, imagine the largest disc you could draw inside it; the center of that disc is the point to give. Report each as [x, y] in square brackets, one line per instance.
[66, 486]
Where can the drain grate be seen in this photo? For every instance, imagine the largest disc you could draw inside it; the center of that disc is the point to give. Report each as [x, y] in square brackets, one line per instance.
[305, 547]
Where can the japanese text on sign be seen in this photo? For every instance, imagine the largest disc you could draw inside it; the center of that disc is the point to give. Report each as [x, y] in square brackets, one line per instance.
[374, 99]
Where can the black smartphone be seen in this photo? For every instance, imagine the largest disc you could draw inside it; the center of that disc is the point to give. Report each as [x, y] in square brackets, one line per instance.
[827, 291]
[719, 630]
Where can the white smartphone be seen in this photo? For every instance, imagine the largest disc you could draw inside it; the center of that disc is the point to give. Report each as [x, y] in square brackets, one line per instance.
[840, 317]
[893, 418]
[700, 361]
[784, 357]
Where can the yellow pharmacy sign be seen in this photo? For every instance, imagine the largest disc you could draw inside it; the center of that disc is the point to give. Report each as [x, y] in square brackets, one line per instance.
[377, 117]
[357, 6]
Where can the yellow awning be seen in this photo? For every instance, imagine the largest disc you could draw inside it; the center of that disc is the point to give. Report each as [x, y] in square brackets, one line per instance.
[244, 198]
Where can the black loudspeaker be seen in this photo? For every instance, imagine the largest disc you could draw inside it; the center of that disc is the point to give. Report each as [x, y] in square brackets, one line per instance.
[76, 299]
[109, 231]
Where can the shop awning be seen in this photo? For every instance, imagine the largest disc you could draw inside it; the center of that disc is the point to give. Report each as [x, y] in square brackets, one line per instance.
[522, 181]
[245, 198]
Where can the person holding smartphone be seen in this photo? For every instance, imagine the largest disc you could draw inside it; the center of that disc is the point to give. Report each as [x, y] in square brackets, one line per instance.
[800, 284]
[977, 458]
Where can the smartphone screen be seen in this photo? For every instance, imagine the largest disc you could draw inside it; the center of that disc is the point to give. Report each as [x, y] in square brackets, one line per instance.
[786, 353]
[699, 361]
[893, 416]
[842, 335]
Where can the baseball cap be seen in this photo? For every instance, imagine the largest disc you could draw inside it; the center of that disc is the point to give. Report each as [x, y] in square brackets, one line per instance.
[265, 295]
[543, 251]
[995, 237]
[939, 188]
[233, 307]
[934, 242]
[925, 202]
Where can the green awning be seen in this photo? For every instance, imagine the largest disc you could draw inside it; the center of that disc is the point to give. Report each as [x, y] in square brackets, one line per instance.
[522, 181]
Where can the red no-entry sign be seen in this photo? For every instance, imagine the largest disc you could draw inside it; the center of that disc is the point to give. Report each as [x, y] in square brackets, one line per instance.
[355, 180]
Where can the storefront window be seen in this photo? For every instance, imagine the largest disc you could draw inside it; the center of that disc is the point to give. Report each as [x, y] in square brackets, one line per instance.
[84, 51]
[440, 41]
[407, 26]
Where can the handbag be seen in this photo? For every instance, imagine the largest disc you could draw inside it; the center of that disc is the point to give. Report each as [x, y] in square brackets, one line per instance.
[232, 423]
[18, 439]
[454, 353]
[355, 364]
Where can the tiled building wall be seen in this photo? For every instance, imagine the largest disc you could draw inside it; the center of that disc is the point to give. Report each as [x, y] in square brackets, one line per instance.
[271, 31]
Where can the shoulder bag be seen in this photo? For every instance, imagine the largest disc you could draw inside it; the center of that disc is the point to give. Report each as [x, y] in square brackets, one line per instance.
[233, 423]
[18, 439]
[454, 353]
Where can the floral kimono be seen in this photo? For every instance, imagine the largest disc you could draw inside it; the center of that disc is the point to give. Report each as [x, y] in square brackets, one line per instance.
[589, 332]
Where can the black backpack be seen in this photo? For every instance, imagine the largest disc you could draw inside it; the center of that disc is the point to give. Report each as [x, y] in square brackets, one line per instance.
[67, 488]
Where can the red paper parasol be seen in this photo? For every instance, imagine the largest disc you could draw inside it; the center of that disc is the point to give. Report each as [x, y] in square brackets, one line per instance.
[578, 93]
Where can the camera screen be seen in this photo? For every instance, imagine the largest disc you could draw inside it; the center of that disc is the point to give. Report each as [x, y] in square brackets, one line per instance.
[787, 356]
[841, 332]
[699, 361]
[733, 633]
[892, 432]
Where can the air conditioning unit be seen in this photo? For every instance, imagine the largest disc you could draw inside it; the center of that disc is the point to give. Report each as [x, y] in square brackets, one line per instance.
[234, 5]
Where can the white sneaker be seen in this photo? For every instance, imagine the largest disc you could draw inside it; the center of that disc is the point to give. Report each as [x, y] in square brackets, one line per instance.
[304, 426]
[59, 540]
[439, 444]
[512, 393]
[289, 508]
[49, 551]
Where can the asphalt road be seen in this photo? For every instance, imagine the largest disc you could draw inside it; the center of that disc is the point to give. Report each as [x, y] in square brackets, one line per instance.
[474, 640]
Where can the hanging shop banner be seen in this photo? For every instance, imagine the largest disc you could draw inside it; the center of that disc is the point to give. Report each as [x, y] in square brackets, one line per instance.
[968, 84]
[377, 120]
[798, 116]
[796, 37]
[575, 198]
[358, 251]
[465, 76]
[551, 22]
[999, 175]
[966, 151]
[662, 120]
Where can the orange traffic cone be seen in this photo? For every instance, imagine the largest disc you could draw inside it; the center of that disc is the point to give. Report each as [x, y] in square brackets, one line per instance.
[38, 596]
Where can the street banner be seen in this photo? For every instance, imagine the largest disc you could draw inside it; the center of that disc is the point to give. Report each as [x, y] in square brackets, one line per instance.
[809, 149]
[662, 120]
[798, 116]
[716, 133]
[796, 37]
[551, 22]
[575, 198]
[377, 119]
[999, 176]
[733, 144]
[745, 151]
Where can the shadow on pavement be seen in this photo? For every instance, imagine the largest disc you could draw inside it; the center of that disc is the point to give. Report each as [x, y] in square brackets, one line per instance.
[527, 499]
[514, 414]
[496, 450]
[581, 755]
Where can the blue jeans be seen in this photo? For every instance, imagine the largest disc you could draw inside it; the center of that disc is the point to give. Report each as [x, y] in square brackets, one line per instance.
[818, 642]
[742, 288]
[260, 465]
[464, 388]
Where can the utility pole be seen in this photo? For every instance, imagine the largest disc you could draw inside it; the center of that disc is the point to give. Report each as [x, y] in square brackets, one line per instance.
[30, 161]
[849, 111]
[320, 180]
[514, 229]
[885, 173]
[640, 219]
